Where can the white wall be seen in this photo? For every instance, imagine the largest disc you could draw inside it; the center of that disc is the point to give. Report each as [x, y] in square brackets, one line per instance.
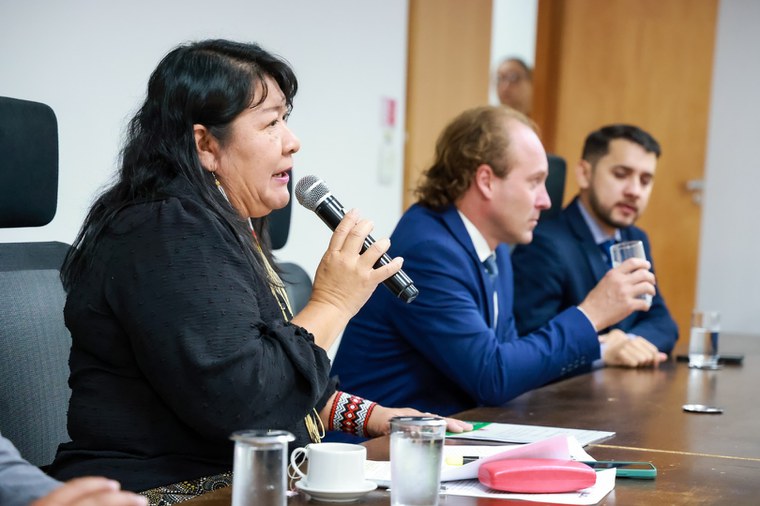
[513, 34]
[729, 256]
[90, 61]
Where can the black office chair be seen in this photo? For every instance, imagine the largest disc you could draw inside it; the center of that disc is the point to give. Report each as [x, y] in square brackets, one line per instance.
[34, 342]
[555, 185]
[296, 279]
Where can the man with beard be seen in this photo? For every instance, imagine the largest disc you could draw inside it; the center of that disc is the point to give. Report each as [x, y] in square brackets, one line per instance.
[570, 254]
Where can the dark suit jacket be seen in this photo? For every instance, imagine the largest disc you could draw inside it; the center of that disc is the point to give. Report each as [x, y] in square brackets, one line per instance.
[440, 353]
[563, 263]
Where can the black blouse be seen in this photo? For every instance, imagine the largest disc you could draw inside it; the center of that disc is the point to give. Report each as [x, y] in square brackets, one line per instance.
[176, 344]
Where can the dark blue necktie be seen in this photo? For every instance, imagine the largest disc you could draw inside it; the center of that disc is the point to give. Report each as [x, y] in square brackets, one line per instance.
[605, 247]
[491, 268]
[493, 274]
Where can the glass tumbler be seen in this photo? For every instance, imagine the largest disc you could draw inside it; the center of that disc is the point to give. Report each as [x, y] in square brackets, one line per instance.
[622, 251]
[703, 341]
[259, 467]
[416, 459]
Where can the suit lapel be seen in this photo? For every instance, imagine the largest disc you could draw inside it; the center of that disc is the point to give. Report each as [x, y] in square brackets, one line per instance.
[456, 226]
[590, 249]
[454, 223]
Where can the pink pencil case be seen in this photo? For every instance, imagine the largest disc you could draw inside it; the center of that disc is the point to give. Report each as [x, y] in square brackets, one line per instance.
[536, 476]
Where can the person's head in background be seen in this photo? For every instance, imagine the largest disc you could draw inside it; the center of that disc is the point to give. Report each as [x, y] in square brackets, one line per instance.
[616, 174]
[490, 163]
[514, 84]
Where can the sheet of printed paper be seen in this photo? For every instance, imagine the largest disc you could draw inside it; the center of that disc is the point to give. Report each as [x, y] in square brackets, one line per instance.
[515, 433]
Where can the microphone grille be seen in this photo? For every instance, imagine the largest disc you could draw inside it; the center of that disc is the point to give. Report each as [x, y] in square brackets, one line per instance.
[310, 191]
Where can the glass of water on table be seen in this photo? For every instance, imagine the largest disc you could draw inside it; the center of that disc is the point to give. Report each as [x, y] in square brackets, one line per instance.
[416, 459]
[703, 341]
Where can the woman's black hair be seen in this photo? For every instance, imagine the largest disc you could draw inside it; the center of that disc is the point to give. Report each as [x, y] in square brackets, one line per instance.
[209, 83]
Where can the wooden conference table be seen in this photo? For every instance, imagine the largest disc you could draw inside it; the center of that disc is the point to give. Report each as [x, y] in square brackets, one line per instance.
[700, 458]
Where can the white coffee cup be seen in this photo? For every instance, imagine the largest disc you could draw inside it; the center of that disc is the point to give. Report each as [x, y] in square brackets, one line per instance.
[333, 467]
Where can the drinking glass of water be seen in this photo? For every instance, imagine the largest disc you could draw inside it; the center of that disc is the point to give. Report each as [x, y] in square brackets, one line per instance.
[703, 342]
[416, 459]
[622, 251]
[259, 475]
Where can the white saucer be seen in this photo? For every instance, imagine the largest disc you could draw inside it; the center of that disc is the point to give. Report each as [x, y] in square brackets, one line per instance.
[337, 495]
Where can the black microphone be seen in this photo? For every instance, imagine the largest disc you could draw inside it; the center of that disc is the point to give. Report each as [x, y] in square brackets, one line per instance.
[313, 194]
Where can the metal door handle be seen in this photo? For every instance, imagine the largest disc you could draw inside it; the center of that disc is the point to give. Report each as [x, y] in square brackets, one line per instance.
[695, 187]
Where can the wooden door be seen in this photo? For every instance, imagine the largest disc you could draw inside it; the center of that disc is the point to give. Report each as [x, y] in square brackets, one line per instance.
[448, 72]
[646, 62]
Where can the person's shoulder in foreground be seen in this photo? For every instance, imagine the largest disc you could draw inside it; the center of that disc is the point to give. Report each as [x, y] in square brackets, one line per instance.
[455, 346]
[567, 257]
[20, 481]
[23, 484]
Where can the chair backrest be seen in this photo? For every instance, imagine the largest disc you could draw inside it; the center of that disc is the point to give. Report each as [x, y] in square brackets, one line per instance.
[28, 163]
[296, 279]
[297, 284]
[34, 342]
[34, 349]
[555, 185]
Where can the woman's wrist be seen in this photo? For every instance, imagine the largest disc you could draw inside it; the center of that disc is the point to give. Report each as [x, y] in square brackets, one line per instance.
[350, 413]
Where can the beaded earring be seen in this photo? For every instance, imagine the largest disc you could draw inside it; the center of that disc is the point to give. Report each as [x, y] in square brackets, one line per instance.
[219, 186]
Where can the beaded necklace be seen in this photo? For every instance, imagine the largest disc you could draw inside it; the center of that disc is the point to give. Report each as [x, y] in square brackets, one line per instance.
[314, 425]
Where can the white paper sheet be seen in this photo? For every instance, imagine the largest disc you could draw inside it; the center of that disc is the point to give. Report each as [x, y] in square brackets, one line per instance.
[516, 433]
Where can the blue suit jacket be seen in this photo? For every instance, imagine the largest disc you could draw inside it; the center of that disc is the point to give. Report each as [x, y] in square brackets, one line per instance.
[440, 352]
[563, 263]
